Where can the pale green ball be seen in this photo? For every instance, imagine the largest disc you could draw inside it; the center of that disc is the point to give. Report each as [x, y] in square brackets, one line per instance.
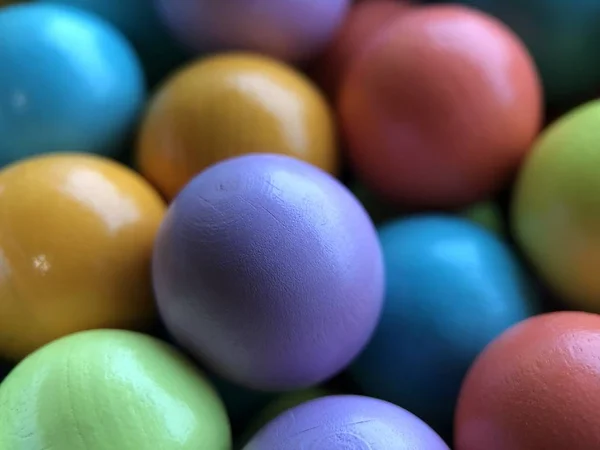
[110, 390]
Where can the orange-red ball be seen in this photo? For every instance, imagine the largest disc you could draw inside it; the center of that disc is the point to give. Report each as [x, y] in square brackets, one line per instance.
[365, 20]
[441, 109]
[537, 387]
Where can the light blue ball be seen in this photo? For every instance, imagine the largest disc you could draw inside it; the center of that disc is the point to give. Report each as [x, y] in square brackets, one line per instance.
[69, 81]
[452, 287]
[139, 21]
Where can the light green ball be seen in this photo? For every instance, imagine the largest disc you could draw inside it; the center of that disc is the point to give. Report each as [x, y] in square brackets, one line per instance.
[556, 207]
[110, 390]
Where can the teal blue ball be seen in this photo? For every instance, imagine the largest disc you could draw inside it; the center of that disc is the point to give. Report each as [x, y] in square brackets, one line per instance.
[451, 288]
[69, 81]
[139, 21]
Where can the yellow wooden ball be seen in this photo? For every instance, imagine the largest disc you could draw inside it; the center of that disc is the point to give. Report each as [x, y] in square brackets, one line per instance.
[228, 105]
[76, 238]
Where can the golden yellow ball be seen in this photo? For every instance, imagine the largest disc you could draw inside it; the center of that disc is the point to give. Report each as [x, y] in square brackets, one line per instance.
[76, 238]
[229, 105]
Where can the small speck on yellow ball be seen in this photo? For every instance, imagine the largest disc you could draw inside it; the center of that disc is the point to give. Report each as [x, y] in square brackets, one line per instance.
[76, 238]
[228, 105]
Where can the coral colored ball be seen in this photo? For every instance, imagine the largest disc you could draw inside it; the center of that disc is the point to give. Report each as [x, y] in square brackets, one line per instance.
[442, 108]
[364, 21]
[535, 388]
[269, 271]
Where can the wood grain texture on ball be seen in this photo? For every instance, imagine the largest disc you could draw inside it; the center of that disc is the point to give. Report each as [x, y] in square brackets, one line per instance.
[535, 388]
[269, 271]
[441, 109]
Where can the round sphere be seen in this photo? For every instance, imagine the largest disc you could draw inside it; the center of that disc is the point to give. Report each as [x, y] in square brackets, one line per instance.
[556, 207]
[364, 21]
[347, 422]
[228, 105]
[139, 21]
[452, 287]
[291, 31]
[76, 237]
[69, 82]
[269, 271]
[442, 108]
[535, 388]
[107, 389]
[563, 37]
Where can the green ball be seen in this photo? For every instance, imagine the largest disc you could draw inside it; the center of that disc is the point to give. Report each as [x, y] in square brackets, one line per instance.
[556, 207]
[110, 390]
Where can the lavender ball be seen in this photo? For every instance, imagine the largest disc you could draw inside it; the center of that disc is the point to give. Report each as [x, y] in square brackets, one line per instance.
[269, 271]
[291, 30]
[346, 422]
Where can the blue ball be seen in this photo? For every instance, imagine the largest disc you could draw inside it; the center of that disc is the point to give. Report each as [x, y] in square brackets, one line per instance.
[69, 81]
[139, 21]
[452, 287]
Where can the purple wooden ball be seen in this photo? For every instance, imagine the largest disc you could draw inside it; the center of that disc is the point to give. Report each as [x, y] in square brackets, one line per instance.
[269, 271]
[346, 422]
[291, 30]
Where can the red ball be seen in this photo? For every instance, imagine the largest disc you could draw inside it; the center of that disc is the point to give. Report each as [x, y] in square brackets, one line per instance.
[365, 20]
[537, 387]
[441, 109]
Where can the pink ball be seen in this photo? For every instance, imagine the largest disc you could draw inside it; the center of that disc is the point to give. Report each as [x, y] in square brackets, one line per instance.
[291, 30]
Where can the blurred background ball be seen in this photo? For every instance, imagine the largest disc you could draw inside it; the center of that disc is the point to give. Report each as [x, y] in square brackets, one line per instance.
[346, 422]
[364, 21]
[563, 37]
[451, 288]
[76, 237]
[107, 389]
[535, 388]
[269, 271]
[139, 21]
[442, 108]
[228, 105]
[287, 30]
[556, 207]
[69, 82]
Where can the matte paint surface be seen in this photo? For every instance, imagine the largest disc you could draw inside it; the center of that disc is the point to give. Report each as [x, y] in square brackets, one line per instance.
[556, 212]
[76, 237]
[109, 390]
[442, 108]
[69, 82]
[451, 288]
[138, 20]
[347, 422]
[269, 271]
[228, 105]
[535, 388]
[291, 31]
